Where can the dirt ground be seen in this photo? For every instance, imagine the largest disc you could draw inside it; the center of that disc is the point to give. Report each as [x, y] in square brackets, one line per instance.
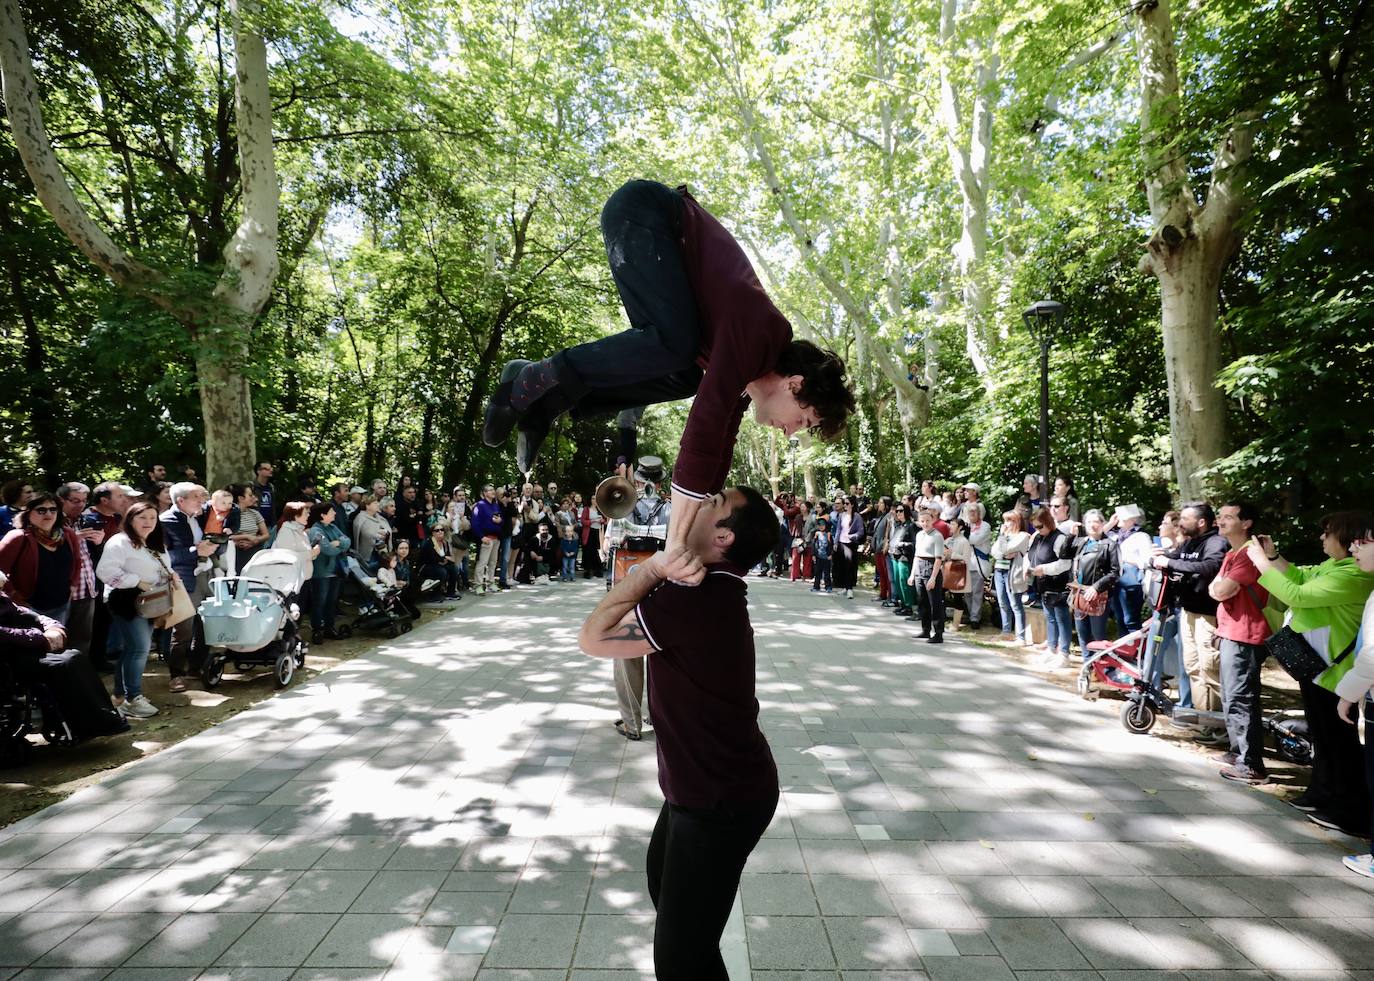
[1280, 698]
[54, 772]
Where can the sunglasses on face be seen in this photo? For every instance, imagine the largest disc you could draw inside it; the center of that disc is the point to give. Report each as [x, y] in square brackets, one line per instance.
[44, 510]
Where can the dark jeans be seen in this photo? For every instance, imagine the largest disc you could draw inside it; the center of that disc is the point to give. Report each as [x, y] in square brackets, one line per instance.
[655, 360]
[930, 602]
[446, 573]
[591, 556]
[822, 573]
[1125, 607]
[695, 859]
[1240, 700]
[326, 602]
[1338, 786]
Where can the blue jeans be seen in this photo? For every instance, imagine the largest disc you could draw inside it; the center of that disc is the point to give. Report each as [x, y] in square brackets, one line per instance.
[503, 563]
[1170, 656]
[136, 636]
[58, 613]
[326, 590]
[569, 567]
[1125, 607]
[1058, 628]
[1012, 605]
[1090, 629]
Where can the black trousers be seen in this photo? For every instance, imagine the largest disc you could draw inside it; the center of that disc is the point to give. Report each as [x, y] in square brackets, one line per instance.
[846, 566]
[655, 360]
[695, 859]
[1240, 699]
[1339, 787]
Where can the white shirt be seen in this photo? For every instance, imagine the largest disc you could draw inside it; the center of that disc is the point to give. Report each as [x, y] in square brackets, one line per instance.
[123, 565]
[1360, 678]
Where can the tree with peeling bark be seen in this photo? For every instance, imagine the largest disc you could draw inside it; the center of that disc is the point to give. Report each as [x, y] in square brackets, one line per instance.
[1189, 246]
[219, 324]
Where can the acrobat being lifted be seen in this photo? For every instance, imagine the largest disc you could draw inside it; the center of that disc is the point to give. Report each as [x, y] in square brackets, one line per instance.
[701, 325]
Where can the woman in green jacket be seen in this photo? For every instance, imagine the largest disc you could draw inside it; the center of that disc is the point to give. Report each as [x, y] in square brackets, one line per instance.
[1326, 602]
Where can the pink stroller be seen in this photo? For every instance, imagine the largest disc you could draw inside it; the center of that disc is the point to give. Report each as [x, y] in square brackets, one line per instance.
[1118, 664]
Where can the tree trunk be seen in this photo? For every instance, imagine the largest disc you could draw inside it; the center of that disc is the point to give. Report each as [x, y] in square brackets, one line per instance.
[226, 406]
[1188, 248]
[468, 423]
[1192, 354]
[425, 470]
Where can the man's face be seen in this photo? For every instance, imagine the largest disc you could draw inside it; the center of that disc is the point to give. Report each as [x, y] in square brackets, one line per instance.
[781, 410]
[704, 537]
[527, 490]
[265, 473]
[73, 505]
[192, 502]
[159, 472]
[1191, 523]
[339, 494]
[410, 493]
[538, 492]
[119, 501]
[1229, 523]
[1060, 510]
[379, 489]
[553, 490]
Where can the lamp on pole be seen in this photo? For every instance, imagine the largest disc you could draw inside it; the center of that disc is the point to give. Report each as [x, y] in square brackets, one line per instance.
[794, 442]
[606, 448]
[1042, 318]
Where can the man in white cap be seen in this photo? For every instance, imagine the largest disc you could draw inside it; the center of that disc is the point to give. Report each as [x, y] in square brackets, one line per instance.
[1134, 548]
[973, 495]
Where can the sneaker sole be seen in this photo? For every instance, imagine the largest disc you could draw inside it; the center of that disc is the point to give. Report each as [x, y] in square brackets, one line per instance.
[1359, 869]
[500, 417]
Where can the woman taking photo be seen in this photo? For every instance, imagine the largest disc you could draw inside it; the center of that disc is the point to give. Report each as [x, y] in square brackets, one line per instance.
[39, 555]
[133, 562]
[1050, 558]
[371, 532]
[327, 573]
[1325, 603]
[901, 550]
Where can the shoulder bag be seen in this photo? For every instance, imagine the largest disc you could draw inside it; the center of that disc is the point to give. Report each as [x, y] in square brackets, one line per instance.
[1296, 656]
[1083, 606]
[157, 602]
[956, 575]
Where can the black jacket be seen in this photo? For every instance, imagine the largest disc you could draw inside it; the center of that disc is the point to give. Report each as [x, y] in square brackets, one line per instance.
[1099, 567]
[1193, 566]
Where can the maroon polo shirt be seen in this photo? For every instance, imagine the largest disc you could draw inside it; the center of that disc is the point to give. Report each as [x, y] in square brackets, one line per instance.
[742, 336]
[701, 693]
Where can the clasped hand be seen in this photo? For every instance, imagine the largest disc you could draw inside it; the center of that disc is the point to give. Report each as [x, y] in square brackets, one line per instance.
[679, 564]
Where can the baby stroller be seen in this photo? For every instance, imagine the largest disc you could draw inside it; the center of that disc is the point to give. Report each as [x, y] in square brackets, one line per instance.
[251, 619]
[377, 607]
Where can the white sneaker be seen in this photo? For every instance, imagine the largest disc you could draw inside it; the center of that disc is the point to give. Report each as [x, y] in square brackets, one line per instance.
[428, 584]
[849, 594]
[484, 589]
[1360, 865]
[137, 707]
[1054, 662]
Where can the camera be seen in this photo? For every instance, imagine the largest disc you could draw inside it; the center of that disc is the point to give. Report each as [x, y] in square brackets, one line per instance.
[90, 522]
[218, 537]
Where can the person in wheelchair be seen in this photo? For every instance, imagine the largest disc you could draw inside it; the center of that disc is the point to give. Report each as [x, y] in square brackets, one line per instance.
[36, 671]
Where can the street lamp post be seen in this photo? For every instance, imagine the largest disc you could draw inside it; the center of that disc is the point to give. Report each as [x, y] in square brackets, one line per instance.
[1041, 319]
[794, 442]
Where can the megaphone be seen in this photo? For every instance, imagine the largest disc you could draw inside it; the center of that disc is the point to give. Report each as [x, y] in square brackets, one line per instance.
[615, 497]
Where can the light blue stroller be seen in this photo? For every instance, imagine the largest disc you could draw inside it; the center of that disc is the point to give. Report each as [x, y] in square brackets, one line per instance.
[251, 619]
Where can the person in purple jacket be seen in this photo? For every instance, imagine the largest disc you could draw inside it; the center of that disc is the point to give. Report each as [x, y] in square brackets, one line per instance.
[487, 522]
[700, 325]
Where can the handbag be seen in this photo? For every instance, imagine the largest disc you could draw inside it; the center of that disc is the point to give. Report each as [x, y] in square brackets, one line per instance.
[157, 602]
[956, 575]
[1083, 606]
[1296, 656]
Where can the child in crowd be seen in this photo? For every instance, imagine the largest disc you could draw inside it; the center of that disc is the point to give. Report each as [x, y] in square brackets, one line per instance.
[823, 548]
[386, 570]
[568, 547]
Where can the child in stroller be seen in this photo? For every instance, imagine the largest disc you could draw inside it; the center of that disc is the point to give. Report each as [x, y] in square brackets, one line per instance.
[376, 601]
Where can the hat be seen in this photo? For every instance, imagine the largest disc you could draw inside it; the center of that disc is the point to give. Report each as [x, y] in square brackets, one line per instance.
[650, 469]
[972, 486]
[130, 491]
[1129, 512]
[355, 489]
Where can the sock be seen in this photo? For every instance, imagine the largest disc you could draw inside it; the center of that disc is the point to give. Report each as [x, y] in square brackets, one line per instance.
[530, 385]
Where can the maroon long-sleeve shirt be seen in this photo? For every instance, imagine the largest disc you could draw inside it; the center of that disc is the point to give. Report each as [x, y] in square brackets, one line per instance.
[742, 336]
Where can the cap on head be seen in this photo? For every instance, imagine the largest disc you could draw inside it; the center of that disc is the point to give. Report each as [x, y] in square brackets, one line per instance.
[650, 469]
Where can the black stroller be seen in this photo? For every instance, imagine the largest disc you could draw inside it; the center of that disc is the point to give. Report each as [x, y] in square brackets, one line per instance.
[376, 607]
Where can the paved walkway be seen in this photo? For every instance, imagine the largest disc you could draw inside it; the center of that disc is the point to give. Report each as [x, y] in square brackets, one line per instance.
[457, 805]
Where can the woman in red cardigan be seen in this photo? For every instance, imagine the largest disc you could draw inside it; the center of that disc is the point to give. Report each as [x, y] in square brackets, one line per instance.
[39, 556]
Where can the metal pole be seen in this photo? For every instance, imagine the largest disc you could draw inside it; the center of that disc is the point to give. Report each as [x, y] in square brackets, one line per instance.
[1045, 405]
[794, 469]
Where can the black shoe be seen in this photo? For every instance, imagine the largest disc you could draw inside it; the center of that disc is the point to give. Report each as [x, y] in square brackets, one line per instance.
[1303, 803]
[1336, 823]
[501, 416]
[935, 640]
[923, 636]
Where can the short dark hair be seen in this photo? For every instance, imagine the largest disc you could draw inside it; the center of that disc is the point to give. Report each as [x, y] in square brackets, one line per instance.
[1204, 511]
[11, 491]
[1246, 511]
[318, 511]
[823, 385]
[1347, 526]
[46, 497]
[755, 527]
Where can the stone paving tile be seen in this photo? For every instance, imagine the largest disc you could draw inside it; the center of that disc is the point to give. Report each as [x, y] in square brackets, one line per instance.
[455, 805]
